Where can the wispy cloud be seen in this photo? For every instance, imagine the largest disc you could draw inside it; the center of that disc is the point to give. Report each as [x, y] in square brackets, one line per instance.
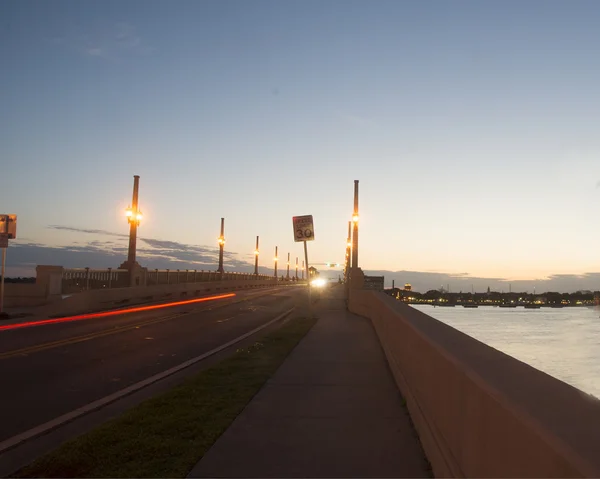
[423, 281]
[109, 42]
[153, 250]
[90, 231]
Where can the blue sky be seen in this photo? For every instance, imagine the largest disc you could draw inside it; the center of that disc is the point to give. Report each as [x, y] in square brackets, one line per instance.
[472, 127]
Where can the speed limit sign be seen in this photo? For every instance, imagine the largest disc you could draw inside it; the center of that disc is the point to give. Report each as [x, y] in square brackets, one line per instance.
[303, 228]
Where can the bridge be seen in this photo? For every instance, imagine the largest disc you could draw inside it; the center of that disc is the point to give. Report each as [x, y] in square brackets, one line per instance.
[477, 411]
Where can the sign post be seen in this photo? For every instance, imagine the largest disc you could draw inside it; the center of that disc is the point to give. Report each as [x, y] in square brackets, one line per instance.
[304, 231]
[8, 230]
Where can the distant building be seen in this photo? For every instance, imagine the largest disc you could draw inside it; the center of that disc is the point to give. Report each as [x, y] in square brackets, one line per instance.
[407, 287]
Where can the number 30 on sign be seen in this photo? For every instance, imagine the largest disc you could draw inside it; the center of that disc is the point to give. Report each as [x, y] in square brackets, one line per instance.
[303, 228]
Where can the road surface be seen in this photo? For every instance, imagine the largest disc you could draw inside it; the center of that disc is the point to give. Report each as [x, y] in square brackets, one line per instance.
[50, 370]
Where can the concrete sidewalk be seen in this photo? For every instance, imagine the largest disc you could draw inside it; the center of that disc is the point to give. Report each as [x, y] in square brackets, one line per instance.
[331, 410]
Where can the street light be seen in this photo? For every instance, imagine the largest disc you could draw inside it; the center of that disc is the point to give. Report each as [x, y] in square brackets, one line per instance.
[355, 229]
[296, 268]
[134, 217]
[256, 258]
[275, 259]
[221, 241]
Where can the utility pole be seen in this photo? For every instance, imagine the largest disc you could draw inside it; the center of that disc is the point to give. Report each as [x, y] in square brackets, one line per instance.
[275, 260]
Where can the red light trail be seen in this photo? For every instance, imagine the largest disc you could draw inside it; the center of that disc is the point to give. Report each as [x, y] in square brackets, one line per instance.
[115, 312]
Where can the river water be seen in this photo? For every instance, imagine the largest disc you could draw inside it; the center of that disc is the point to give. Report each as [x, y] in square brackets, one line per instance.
[564, 343]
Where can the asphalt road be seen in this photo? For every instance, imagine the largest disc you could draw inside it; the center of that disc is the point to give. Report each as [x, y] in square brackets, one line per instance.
[50, 370]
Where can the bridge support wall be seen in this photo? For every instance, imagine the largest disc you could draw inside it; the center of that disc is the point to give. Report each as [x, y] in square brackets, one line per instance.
[478, 411]
[97, 300]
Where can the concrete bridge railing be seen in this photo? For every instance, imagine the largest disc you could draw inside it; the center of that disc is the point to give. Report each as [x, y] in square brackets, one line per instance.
[53, 283]
[99, 299]
[478, 411]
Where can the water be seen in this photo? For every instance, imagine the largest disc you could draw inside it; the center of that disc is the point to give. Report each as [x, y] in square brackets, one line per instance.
[564, 343]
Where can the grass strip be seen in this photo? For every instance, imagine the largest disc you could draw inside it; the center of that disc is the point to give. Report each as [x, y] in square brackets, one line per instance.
[167, 435]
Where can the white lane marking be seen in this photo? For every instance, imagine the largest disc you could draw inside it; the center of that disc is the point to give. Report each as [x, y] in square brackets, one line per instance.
[226, 319]
[100, 403]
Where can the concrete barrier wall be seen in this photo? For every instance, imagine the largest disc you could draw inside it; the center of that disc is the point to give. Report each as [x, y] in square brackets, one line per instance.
[24, 294]
[96, 300]
[478, 411]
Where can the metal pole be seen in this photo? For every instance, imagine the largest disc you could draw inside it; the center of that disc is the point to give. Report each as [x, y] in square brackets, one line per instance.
[287, 276]
[256, 258]
[307, 278]
[2, 281]
[221, 245]
[348, 252]
[133, 222]
[275, 274]
[296, 268]
[303, 270]
[355, 229]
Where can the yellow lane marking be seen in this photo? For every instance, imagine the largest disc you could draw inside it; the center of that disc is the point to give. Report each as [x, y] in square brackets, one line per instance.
[85, 337]
[99, 334]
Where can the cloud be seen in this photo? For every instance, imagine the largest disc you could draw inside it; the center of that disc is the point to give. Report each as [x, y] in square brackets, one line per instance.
[109, 42]
[159, 254]
[423, 281]
[154, 253]
[23, 257]
[82, 230]
[95, 52]
[104, 253]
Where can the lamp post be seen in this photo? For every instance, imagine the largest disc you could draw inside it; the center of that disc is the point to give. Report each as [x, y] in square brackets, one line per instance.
[355, 228]
[287, 276]
[256, 258]
[134, 217]
[296, 268]
[275, 260]
[348, 251]
[221, 242]
[302, 269]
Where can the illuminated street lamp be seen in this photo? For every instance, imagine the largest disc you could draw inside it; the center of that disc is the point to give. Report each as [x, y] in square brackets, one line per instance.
[256, 258]
[355, 228]
[296, 268]
[275, 260]
[134, 217]
[221, 241]
[348, 250]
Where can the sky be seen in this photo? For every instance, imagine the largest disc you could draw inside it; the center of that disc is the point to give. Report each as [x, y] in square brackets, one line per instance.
[471, 126]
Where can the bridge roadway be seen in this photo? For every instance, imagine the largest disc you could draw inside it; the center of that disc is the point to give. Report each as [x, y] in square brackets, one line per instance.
[50, 370]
